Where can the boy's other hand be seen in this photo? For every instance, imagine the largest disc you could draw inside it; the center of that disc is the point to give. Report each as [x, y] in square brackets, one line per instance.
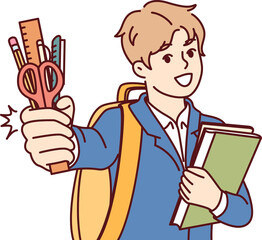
[48, 133]
[199, 188]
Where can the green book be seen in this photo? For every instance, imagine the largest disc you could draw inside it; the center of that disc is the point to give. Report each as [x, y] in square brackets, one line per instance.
[226, 152]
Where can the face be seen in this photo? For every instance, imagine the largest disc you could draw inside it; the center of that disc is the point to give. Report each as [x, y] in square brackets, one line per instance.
[177, 70]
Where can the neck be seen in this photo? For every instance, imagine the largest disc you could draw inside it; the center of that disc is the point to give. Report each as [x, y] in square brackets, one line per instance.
[170, 106]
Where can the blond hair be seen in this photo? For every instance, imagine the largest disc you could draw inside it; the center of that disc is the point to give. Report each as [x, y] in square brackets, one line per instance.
[149, 30]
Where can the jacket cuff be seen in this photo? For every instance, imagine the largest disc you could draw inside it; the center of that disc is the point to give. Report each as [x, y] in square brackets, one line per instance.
[76, 149]
[221, 206]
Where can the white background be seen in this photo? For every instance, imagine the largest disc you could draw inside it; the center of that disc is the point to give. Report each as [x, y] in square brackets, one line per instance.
[36, 205]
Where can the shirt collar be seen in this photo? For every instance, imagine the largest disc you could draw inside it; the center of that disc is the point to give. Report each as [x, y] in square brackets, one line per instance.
[165, 120]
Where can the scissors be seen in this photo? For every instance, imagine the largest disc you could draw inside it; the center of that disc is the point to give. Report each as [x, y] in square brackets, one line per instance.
[41, 94]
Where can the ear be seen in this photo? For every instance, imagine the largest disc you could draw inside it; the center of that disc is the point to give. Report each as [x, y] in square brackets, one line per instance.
[140, 69]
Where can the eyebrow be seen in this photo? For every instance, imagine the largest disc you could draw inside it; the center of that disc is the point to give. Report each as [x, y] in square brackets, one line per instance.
[189, 41]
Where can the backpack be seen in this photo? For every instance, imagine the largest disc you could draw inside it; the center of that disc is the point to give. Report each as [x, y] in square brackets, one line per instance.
[96, 212]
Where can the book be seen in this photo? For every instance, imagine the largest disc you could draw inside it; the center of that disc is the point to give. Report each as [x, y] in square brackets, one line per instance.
[226, 152]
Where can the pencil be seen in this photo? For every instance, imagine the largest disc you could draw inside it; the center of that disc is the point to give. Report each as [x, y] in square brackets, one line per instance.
[20, 62]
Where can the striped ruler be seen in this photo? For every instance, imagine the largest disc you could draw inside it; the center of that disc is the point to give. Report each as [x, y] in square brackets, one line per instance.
[31, 34]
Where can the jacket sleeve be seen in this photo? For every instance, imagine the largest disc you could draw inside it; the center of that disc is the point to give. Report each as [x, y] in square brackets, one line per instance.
[238, 211]
[98, 146]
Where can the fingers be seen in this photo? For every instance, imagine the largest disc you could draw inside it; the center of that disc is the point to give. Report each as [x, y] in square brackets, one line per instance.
[63, 113]
[66, 105]
[190, 181]
[194, 175]
[185, 185]
[38, 129]
[198, 187]
[50, 149]
[32, 115]
[185, 197]
[46, 144]
[46, 158]
[201, 172]
[48, 133]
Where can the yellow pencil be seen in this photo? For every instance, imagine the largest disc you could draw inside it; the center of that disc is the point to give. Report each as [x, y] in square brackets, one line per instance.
[20, 62]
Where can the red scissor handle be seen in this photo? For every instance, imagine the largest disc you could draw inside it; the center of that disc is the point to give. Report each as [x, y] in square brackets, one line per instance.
[49, 95]
[41, 94]
[37, 94]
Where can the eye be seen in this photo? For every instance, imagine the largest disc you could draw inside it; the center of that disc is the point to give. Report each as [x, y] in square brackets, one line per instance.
[190, 52]
[167, 58]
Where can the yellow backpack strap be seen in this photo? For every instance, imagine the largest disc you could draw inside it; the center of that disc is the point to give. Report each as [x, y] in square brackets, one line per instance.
[126, 176]
[92, 188]
[91, 195]
[126, 88]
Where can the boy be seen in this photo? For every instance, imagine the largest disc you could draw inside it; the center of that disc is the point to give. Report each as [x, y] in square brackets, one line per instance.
[164, 44]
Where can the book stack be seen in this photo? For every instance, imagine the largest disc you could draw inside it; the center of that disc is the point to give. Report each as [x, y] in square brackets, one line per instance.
[226, 152]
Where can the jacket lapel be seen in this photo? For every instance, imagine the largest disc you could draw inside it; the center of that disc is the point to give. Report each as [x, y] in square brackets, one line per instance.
[165, 144]
[153, 128]
[192, 132]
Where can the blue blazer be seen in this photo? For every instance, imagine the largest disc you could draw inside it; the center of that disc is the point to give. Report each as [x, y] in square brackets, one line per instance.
[159, 173]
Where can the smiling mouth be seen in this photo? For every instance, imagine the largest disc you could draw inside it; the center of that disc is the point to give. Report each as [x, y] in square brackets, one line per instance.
[184, 80]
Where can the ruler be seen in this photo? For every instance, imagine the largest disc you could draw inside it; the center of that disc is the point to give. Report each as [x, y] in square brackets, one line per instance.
[58, 57]
[31, 33]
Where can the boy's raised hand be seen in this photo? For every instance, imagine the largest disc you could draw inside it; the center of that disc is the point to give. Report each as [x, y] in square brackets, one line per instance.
[48, 133]
[199, 188]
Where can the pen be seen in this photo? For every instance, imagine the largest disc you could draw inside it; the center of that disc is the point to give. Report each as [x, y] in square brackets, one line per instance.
[42, 58]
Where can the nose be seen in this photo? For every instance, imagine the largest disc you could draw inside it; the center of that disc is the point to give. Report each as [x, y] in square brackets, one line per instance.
[185, 61]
